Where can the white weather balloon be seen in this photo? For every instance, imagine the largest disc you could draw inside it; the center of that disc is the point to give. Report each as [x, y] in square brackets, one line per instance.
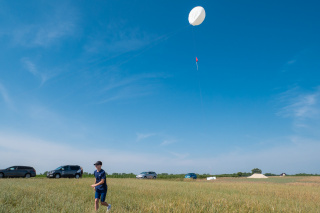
[197, 16]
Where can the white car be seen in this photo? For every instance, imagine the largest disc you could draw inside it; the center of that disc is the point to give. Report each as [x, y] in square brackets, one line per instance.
[145, 175]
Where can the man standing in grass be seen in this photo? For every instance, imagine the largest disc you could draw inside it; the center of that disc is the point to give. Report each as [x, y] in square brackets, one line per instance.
[100, 186]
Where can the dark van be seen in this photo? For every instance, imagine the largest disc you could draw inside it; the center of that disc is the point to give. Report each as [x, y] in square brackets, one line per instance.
[18, 171]
[67, 171]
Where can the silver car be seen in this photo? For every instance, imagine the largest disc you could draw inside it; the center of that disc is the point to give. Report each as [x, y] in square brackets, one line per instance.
[145, 175]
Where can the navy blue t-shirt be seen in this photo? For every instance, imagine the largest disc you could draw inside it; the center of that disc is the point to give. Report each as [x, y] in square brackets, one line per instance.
[99, 176]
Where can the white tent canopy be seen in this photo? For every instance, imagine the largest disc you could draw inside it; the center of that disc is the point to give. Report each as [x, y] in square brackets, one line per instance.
[256, 175]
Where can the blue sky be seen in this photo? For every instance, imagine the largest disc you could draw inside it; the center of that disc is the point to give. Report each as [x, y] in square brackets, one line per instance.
[116, 81]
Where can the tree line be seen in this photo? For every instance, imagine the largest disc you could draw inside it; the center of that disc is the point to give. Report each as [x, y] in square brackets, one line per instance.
[179, 176]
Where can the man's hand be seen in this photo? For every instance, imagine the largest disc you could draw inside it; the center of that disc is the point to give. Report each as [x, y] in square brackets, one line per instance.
[93, 186]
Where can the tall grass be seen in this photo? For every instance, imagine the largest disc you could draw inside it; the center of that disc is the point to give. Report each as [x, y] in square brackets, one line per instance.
[131, 195]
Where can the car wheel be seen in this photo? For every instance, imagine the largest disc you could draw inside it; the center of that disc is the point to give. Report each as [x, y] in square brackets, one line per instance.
[57, 176]
[27, 175]
[1, 175]
[154, 177]
[145, 177]
[77, 176]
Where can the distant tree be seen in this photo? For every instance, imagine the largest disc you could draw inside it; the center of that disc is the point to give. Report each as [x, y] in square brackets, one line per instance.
[270, 174]
[304, 174]
[239, 174]
[45, 173]
[246, 174]
[256, 170]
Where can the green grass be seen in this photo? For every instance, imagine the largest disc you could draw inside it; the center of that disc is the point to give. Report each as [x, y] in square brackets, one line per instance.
[268, 180]
[288, 194]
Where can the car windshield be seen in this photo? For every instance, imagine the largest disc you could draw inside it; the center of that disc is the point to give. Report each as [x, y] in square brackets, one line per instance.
[143, 173]
[189, 174]
[59, 168]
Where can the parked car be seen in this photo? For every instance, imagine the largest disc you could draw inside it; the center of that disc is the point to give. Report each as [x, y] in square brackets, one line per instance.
[67, 171]
[191, 175]
[145, 175]
[18, 171]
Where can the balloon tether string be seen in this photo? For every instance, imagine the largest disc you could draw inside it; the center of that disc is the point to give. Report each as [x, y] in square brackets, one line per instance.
[194, 46]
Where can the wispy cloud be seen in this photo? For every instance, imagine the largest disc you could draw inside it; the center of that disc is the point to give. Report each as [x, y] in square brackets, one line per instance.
[115, 83]
[127, 93]
[33, 69]
[303, 107]
[5, 96]
[39, 112]
[157, 138]
[118, 38]
[52, 27]
[167, 142]
[300, 104]
[291, 62]
[41, 73]
[120, 87]
[142, 136]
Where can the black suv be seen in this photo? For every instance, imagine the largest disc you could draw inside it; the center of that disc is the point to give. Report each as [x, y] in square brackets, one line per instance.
[18, 171]
[66, 171]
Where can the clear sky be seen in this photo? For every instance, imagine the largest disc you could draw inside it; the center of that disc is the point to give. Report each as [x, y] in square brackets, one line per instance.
[116, 81]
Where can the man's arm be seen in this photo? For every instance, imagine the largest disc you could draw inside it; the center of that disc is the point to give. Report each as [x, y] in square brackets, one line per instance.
[100, 183]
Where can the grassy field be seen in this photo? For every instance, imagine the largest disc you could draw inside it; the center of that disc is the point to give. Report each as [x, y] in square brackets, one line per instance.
[287, 194]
